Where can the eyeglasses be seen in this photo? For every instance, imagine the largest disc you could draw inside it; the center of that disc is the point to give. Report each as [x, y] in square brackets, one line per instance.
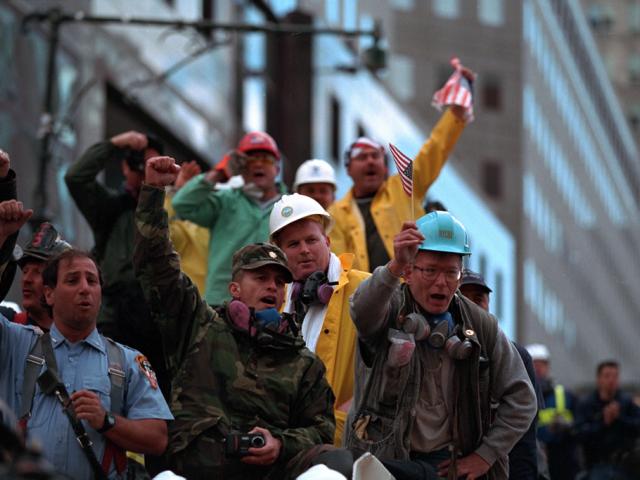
[430, 274]
[262, 157]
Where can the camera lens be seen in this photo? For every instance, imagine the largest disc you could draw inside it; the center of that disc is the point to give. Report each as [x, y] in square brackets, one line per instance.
[257, 441]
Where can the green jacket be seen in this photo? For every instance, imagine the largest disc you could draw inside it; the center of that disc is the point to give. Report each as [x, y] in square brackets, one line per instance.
[234, 220]
[109, 214]
[223, 380]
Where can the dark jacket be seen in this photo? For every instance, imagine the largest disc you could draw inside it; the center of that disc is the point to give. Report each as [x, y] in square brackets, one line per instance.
[493, 376]
[607, 443]
[224, 380]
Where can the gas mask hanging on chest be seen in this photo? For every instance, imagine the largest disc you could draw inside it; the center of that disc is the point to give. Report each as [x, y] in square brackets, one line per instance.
[440, 333]
[257, 324]
[316, 289]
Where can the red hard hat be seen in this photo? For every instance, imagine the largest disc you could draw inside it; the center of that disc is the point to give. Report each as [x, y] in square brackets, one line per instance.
[258, 141]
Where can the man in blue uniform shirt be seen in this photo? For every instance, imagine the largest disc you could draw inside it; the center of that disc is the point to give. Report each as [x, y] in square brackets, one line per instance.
[72, 289]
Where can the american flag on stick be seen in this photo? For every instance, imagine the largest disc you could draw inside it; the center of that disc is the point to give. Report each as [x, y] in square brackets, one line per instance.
[405, 169]
[457, 91]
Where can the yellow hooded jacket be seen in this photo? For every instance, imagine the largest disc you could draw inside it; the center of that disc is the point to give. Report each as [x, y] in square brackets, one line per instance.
[390, 206]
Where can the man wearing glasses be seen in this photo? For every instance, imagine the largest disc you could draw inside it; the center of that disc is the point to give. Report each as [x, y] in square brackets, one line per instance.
[447, 394]
[237, 216]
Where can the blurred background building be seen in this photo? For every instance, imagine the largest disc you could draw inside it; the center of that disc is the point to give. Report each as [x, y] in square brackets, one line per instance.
[615, 25]
[546, 179]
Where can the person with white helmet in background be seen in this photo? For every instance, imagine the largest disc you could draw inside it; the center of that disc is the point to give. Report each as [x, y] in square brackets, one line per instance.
[316, 178]
[433, 369]
[237, 216]
[319, 295]
[556, 419]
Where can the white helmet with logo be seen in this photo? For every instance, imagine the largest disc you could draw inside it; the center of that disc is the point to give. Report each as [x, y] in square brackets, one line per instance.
[314, 171]
[291, 208]
[538, 352]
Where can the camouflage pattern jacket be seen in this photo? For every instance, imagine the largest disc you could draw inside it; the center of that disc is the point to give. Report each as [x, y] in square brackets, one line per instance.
[223, 380]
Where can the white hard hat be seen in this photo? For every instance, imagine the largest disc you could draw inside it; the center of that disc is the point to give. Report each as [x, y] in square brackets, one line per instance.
[291, 208]
[538, 352]
[314, 171]
[321, 472]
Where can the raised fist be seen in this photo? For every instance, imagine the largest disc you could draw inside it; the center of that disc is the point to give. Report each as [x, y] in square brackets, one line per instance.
[161, 171]
[5, 164]
[12, 217]
[132, 139]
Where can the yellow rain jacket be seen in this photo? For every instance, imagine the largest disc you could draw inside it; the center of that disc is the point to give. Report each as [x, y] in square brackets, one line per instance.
[192, 244]
[391, 206]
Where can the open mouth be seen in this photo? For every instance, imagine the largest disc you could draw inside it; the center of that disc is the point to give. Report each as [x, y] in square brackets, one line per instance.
[84, 304]
[439, 297]
[268, 300]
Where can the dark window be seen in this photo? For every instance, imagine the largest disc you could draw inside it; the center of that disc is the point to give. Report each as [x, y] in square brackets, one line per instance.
[491, 93]
[482, 265]
[361, 131]
[208, 15]
[335, 129]
[492, 179]
[497, 295]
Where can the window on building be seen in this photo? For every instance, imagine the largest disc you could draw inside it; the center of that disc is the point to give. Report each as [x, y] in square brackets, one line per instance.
[600, 17]
[446, 8]
[401, 77]
[332, 11]
[405, 5]
[491, 92]
[498, 295]
[362, 132]
[491, 12]
[633, 17]
[634, 68]
[482, 265]
[492, 178]
[634, 117]
[335, 129]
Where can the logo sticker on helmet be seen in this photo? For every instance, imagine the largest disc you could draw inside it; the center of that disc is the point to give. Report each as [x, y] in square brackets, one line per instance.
[287, 211]
[445, 234]
[273, 255]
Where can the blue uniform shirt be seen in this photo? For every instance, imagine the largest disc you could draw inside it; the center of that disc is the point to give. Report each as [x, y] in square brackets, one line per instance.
[81, 366]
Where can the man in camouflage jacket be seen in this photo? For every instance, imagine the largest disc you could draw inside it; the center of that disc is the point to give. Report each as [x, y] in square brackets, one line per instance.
[230, 373]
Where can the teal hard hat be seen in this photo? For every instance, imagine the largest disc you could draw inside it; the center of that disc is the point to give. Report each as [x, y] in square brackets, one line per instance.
[443, 233]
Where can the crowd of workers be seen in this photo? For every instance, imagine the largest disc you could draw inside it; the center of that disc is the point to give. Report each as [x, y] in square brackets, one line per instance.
[289, 333]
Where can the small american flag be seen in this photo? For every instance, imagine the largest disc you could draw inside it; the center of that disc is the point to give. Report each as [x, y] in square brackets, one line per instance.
[457, 91]
[405, 169]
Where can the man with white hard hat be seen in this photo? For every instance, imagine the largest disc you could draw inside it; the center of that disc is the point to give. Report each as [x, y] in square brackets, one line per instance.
[316, 178]
[319, 295]
[556, 420]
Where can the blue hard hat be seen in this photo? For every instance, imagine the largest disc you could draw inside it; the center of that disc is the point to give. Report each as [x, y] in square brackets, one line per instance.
[443, 233]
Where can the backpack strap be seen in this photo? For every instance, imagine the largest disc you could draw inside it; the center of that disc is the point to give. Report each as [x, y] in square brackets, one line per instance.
[117, 374]
[32, 367]
[117, 378]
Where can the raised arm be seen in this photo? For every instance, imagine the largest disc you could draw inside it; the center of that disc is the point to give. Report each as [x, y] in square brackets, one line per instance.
[197, 201]
[372, 301]
[172, 297]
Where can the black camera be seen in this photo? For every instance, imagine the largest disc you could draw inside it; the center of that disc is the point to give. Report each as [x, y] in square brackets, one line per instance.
[238, 444]
[134, 158]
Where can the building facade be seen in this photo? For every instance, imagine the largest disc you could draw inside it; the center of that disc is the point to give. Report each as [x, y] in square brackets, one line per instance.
[550, 154]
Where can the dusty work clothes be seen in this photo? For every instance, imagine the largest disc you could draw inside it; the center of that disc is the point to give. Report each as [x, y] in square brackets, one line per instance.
[234, 220]
[332, 335]
[81, 366]
[192, 244]
[225, 380]
[390, 206]
[487, 400]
